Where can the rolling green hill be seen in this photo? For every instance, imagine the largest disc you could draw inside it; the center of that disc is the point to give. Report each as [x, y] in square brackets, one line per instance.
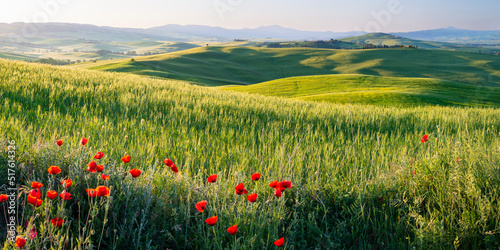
[216, 66]
[15, 56]
[377, 90]
[392, 40]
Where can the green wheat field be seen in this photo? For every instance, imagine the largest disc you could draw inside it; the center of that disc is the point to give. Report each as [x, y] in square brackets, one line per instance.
[345, 127]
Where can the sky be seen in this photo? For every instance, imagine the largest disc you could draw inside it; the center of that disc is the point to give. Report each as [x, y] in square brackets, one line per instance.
[311, 15]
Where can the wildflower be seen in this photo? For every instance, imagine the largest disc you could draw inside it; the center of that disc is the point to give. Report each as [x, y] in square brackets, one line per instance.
[3, 198]
[135, 172]
[277, 193]
[280, 242]
[105, 177]
[35, 184]
[60, 142]
[57, 222]
[100, 168]
[458, 160]
[36, 202]
[84, 141]
[99, 155]
[425, 138]
[273, 184]
[232, 230]
[65, 195]
[92, 166]
[380, 199]
[174, 168]
[91, 193]
[285, 184]
[200, 206]
[168, 162]
[211, 221]
[252, 197]
[33, 233]
[35, 193]
[126, 159]
[212, 178]
[54, 170]
[51, 194]
[413, 173]
[256, 176]
[20, 242]
[240, 189]
[102, 191]
[67, 183]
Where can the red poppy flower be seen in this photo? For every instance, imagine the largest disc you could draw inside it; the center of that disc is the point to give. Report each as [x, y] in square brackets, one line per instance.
[60, 142]
[252, 197]
[280, 242]
[57, 222]
[211, 221]
[65, 195]
[54, 170]
[285, 184]
[232, 230]
[35, 184]
[256, 177]
[414, 173]
[200, 206]
[168, 162]
[105, 177]
[458, 160]
[3, 198]
[51, 194]
[84, 141]
[273, 184]
[212, 178]
[35, 193]
[126, 159]
[67, 183]
[92, 166]
[99, 155]
[135, 172]
[91, 193]
[240, 189]
[425, 138]
[277, 193]
[174, 168]
[100, 168]
[20, 242]
[102, 191]
[34, 201]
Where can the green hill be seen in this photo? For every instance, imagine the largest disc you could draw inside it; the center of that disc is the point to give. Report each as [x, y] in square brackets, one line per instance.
[377, 90]
[392, 40]
[361, 177]
[216, 66]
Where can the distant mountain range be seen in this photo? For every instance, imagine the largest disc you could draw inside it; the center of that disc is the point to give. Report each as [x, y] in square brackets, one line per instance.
[34, 32]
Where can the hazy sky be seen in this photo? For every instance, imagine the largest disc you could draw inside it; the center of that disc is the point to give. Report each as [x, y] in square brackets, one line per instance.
[319, 15]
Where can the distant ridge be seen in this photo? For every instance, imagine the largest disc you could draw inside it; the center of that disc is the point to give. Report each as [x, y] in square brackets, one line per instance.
[175, 32]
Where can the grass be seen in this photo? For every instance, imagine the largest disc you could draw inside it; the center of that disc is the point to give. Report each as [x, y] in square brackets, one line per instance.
[217, 66]
[377, 90]
[351, 166]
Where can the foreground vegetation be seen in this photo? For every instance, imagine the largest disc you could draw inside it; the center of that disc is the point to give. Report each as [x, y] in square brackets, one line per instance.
[361, 176]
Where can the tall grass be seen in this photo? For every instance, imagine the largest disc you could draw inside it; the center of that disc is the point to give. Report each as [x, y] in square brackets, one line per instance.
[351, 166]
